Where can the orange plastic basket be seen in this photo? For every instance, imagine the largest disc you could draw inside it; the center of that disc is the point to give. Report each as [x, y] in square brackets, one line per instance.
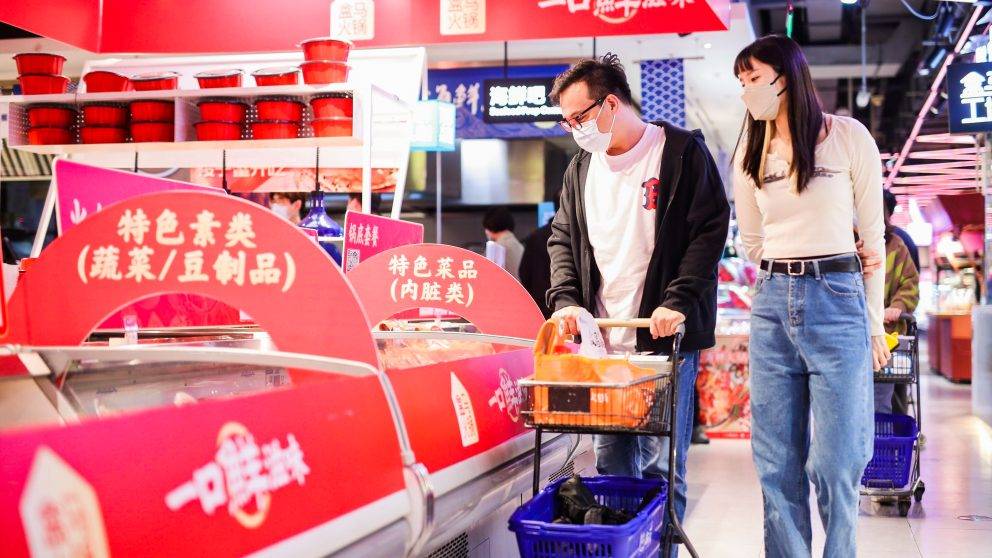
[596, 394]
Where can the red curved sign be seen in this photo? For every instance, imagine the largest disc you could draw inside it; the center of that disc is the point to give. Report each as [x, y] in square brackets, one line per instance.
[453, 279]
[207, 244]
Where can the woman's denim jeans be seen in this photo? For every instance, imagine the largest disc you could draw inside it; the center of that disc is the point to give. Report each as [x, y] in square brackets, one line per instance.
[810, 354]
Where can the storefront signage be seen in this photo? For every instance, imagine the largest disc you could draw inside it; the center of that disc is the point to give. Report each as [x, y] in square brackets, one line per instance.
[463, 17]
[520, 100]
[467, 89]
[969, 91]
[353, 20]
[367, 235]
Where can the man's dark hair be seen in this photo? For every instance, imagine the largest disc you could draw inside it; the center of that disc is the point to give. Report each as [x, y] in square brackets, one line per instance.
[292, 197]
[603, 77]
[498, 219]
[890, 201]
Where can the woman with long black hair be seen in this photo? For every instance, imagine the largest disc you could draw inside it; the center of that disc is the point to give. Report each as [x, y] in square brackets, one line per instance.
[802, 179]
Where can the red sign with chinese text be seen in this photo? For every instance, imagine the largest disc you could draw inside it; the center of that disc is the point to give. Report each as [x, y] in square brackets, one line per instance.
[218, 478]
[367, 235]
[212, 245]
[78, 198]
[447, 278]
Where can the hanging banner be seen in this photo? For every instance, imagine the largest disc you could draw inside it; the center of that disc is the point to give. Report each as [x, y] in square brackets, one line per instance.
[366, 235]
[663, 90]
[186, 26]
[466, 88]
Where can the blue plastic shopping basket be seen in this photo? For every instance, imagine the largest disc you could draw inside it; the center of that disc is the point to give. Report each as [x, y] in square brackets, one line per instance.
[892, 461]
[539, 537]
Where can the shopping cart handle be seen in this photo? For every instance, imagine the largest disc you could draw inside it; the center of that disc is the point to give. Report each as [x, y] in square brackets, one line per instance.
[633, 322]
[908, 318]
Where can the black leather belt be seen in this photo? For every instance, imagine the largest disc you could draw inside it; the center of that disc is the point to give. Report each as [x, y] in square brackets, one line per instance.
[809, 267]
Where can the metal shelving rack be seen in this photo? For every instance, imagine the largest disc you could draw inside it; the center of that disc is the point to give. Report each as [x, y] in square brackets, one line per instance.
[381, 133]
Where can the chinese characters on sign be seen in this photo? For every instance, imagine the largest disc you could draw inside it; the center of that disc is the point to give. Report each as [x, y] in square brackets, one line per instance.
[428, 281]
[353, 19]
[464, 96]
[612, 11]
[463, 17]
[507, 396]
[520, 100]
[242, 476]
[969, 89]
[367, 235]
[148, 251]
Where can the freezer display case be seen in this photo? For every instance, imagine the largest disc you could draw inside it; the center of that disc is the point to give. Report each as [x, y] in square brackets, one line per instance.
[307, 436]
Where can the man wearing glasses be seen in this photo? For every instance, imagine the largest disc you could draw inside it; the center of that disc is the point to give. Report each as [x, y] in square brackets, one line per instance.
[639, 233]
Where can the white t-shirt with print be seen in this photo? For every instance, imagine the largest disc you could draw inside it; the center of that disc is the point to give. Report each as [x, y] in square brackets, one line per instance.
[621, 198]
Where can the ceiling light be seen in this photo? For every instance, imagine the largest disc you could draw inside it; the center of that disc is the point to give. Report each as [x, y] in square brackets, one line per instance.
[849, 2]
[707, 45]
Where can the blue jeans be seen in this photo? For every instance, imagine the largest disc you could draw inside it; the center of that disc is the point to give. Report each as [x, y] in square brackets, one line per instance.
[810, 353]
[647, 456]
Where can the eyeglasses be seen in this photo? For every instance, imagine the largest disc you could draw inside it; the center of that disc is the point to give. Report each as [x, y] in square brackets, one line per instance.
[576, 121]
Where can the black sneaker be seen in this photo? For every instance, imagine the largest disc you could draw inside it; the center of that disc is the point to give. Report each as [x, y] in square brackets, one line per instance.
[699, 436]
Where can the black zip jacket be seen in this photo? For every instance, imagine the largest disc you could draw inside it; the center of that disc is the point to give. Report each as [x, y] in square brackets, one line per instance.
[690, 233]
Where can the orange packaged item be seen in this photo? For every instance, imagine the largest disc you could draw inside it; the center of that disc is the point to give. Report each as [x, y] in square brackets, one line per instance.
[625, 400]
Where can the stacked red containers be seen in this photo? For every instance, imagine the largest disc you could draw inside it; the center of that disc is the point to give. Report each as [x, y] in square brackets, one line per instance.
[104, 123]
[50, 124]
[326, 60]
[153, 120]
[221, 120]
[41, 73]
[277, 118]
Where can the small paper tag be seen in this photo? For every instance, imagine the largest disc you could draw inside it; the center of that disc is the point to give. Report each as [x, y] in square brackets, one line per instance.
[465, 412]
[592, 338]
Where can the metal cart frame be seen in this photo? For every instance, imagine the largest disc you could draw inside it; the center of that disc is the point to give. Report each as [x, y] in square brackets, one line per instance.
[674, 534]
[915, 488]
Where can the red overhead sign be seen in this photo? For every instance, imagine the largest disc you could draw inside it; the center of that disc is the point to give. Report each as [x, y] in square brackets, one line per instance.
[234, 26]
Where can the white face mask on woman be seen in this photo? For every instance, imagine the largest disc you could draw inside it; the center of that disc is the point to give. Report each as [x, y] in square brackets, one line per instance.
[588, 136]
[763, 101]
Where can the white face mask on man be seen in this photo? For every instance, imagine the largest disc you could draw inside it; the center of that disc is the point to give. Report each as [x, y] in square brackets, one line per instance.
[588, 136]
[281, 209]
[763, 101]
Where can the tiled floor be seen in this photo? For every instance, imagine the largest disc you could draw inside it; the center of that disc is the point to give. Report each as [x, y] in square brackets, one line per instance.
[725, 517]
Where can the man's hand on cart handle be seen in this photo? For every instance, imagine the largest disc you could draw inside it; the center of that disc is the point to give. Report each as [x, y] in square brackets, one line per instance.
[665, 322]
[870, 260]
[568, 319]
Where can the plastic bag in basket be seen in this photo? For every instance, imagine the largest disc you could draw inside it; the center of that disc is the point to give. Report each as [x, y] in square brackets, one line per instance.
[625, 407]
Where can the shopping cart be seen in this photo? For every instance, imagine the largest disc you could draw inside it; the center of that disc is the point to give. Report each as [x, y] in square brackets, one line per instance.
[894, 469]
[645, 406]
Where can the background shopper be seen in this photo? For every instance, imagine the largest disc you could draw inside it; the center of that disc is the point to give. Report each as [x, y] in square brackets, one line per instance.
[890, 209]
[535, 267]
[902, 294]
[288, 205]
[640, 232]
[498, 224]
[801, 179]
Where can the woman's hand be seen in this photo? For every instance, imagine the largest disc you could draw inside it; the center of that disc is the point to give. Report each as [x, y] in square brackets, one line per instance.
[879, 352]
